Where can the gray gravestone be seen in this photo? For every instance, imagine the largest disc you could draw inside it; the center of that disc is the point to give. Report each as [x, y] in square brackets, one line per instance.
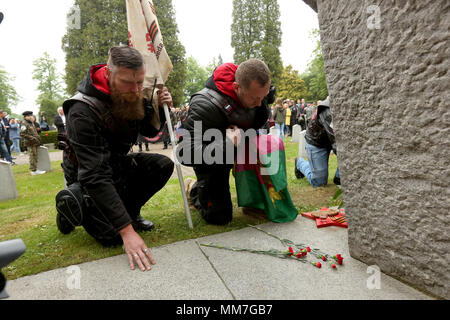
[8, 187]
[296, 129]
[44, 163]
[301, 144]
[274, 131]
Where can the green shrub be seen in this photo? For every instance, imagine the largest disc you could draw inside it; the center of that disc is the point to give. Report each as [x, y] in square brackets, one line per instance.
[49, 137]
[46, 137]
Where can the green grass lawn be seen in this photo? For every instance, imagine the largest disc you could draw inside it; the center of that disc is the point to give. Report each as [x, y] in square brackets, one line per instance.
[31, 217]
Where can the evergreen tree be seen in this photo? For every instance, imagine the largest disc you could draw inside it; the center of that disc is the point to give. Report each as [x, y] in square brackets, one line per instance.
[176, 51]
[103, 25]
[246, 30]
[271, 42]
[256, 33]
[8, 95]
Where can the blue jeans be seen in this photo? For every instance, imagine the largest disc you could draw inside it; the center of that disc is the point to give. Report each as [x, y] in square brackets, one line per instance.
[316, 168]
[280, 128]
[16, 145]
[4, 151]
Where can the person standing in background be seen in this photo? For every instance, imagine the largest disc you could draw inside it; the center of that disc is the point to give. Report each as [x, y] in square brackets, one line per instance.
[14, 135]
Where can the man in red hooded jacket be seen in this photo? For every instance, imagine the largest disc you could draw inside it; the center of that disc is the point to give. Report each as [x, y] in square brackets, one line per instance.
[235, 97]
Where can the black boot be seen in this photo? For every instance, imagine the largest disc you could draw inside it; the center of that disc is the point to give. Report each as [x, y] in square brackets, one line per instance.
[297, 172]
[140, 224]
[64, 226]
[337, 181]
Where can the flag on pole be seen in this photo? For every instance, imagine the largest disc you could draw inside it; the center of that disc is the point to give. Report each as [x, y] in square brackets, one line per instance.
[268, 192]
[145, 36]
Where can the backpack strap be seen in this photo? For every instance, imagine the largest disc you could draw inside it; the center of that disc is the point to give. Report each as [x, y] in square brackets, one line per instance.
[217, 99]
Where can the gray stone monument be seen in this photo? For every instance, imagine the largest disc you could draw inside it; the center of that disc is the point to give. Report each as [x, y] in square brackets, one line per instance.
[296, 129]
[301, 145]
[44, 163]
[8, 187]
[387, 71]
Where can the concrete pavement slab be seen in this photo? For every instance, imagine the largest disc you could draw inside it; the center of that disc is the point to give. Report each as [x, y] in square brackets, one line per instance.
[187, 271]
[181, 272]
[260, 277]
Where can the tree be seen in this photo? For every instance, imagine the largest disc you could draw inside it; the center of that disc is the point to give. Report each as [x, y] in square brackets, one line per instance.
[196, 78]
[314, 76]
[103, 24]
[256, 33]
[291, 85]
[48, 79]
[8, 95]
[176, 51]
[271, 41]
[246, 30]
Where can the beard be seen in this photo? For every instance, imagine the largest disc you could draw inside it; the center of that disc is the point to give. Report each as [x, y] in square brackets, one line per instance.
[127, 106]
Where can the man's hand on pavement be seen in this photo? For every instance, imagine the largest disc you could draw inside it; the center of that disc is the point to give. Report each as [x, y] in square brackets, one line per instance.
[136, 249]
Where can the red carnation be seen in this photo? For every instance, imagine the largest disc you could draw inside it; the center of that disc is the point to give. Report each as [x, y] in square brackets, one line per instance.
[340, 260]
[304, 253]
[333, 266]
[319, 265]
[291, 251]
[338, 256]
[308, 249]
[324, 258]
[299, 255]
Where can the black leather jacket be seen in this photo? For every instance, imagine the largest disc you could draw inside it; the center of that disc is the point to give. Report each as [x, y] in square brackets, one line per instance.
[101, 149]
[319, 132]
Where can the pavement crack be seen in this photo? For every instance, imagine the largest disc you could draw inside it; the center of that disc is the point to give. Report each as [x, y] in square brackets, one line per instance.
[215, 270]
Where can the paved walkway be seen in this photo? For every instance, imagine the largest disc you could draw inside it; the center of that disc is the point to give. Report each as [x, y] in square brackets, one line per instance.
[186, 270]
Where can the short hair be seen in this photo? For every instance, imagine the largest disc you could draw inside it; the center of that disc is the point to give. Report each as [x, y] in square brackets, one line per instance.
[124, 56]
[252, 70]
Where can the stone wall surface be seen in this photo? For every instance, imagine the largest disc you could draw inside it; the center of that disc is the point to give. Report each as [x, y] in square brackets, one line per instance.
[387, 69]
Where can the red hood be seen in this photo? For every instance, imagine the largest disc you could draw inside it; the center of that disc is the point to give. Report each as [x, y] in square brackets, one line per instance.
[98, 78]
[224, 77]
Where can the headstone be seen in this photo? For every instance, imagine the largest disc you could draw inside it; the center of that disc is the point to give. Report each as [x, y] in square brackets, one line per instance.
[43, 163]
[8, 187]
[296, 129]
[302, 145]
[274, 131]
[50, 146]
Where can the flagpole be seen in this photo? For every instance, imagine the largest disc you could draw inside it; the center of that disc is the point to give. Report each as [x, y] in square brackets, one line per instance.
[178, 165]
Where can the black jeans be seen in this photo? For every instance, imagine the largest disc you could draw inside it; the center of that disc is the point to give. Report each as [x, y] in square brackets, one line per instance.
[137, 183]
[211, 194]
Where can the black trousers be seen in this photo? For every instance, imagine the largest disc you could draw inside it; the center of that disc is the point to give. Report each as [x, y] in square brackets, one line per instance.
[211, 194]
[137, 182]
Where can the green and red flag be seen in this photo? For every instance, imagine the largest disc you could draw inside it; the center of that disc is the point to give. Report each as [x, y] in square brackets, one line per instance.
[262, 184]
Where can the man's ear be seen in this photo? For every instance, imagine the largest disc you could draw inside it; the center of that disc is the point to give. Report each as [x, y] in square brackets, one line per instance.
[235, 86]
[107, 73]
